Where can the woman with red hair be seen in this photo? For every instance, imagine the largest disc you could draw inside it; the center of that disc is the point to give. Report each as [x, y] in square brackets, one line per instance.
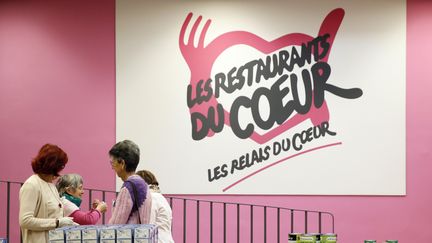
[40, 206]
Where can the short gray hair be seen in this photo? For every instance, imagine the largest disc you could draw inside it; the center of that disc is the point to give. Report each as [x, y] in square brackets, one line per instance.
[127, 151]
[67, 181]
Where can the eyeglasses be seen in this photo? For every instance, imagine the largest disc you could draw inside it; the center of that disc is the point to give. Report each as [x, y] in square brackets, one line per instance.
[115, 161]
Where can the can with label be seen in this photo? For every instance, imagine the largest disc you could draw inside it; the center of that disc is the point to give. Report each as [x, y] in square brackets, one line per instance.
[308, 238]
[370, 241]
[391, 241]
[294, 238]
[329, 238]
[317, 237]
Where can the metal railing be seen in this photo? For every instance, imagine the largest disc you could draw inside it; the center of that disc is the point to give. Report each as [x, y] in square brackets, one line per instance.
[197, 220]
[247, 222]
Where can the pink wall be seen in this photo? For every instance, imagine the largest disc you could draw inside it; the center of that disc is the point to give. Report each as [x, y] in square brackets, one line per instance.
[57, 84]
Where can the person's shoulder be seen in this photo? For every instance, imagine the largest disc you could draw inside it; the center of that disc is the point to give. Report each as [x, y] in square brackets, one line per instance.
[158, 196]
[160, 201]
[31, 181]
[32, 178]
[136, 180]
[69, 207]
[31, 184]
[64, 200]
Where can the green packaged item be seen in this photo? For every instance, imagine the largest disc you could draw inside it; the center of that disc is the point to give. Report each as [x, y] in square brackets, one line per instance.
[370, 241]
[329, 238]
[308, 238]
[317, 237]
[391, 241]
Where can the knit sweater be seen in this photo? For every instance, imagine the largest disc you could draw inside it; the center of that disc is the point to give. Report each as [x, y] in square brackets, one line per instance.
[123, 212]
[161, 215]
[40, 205]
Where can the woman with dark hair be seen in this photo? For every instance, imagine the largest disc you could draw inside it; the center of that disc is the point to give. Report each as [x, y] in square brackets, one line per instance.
[40, 206]
[161, 213]
[133, 203]
[70, 188]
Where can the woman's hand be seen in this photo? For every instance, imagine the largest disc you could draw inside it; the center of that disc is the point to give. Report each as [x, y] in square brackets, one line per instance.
[66, 221]
[101, 207]
[95, 203]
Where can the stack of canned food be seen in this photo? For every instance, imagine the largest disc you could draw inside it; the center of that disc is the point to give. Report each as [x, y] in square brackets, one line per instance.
[125, 233]
[312, 238]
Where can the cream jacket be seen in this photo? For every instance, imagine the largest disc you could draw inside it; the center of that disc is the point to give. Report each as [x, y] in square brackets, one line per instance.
[40, 205]
[161, 215]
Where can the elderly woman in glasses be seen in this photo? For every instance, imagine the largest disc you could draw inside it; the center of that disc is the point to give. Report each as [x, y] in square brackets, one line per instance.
[70, 188]
[133, 203]
[40, 207]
